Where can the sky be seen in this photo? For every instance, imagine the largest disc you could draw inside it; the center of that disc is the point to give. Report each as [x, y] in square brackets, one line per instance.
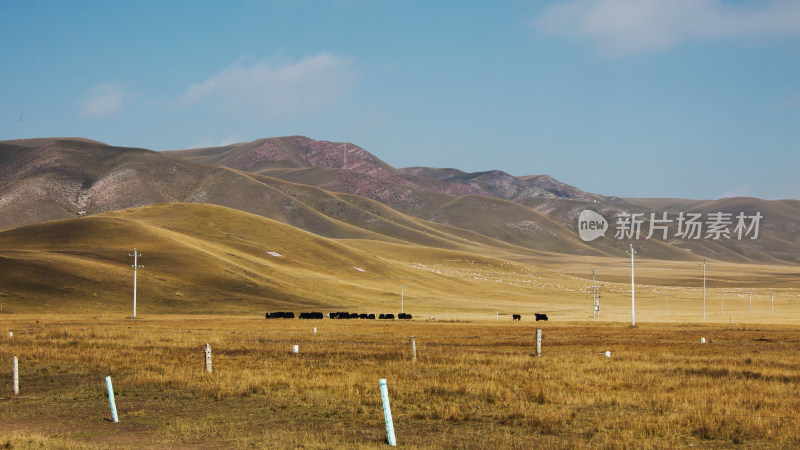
[632, 98]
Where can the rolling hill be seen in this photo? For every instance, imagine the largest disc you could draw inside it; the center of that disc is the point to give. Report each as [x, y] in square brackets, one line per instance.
[292, 155]
[60, 178]
[210, 259]
[478, 201]
[302, 182]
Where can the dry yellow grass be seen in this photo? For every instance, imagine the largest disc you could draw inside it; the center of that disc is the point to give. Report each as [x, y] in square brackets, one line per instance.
[475, 384]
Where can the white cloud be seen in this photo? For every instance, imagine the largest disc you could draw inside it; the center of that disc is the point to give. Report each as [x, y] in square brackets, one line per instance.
[276, 90]
[205, 143]
[104, 100]
[622, 27]
[745, 190]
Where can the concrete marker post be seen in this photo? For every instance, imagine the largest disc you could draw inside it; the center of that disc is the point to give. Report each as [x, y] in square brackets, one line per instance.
[16, 376]
[413, 349]
[208, 358]
[387, 413]
[111, 401]
[538, 343]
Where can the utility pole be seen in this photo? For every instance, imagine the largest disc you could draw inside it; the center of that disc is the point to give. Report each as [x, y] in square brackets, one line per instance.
[633, 289]
[595, 296]
[401, 299]
[135, 266]
[704, 290]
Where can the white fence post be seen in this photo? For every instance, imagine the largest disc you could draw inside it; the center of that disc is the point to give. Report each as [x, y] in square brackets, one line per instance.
[413, 349]
[387, 413]
[111, 402]
[16, 376]
[539, 343]
[208, 358]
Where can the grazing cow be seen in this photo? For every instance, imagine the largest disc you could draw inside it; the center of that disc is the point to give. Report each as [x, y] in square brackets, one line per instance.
[371, 316]
[280, 315]
[362, 316]
[516, 317]
[404, 316]
[540, 317]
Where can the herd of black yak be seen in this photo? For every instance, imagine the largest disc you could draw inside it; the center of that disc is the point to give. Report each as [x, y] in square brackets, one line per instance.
[335, 315]
[347, 315]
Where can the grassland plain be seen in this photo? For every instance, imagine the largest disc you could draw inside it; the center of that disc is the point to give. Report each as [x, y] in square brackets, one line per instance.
[212, 260]
[66, 290]
[475, 384]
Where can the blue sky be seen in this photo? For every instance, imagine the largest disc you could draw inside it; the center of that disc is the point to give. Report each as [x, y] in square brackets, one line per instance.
[634, 98]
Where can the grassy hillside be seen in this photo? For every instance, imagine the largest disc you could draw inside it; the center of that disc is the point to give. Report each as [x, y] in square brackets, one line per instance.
[445, 195]
[54, 179]
[308, 187]
[209, 259]
[203, 258]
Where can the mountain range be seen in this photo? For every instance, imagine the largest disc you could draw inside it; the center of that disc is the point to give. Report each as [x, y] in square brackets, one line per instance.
[340, 190]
